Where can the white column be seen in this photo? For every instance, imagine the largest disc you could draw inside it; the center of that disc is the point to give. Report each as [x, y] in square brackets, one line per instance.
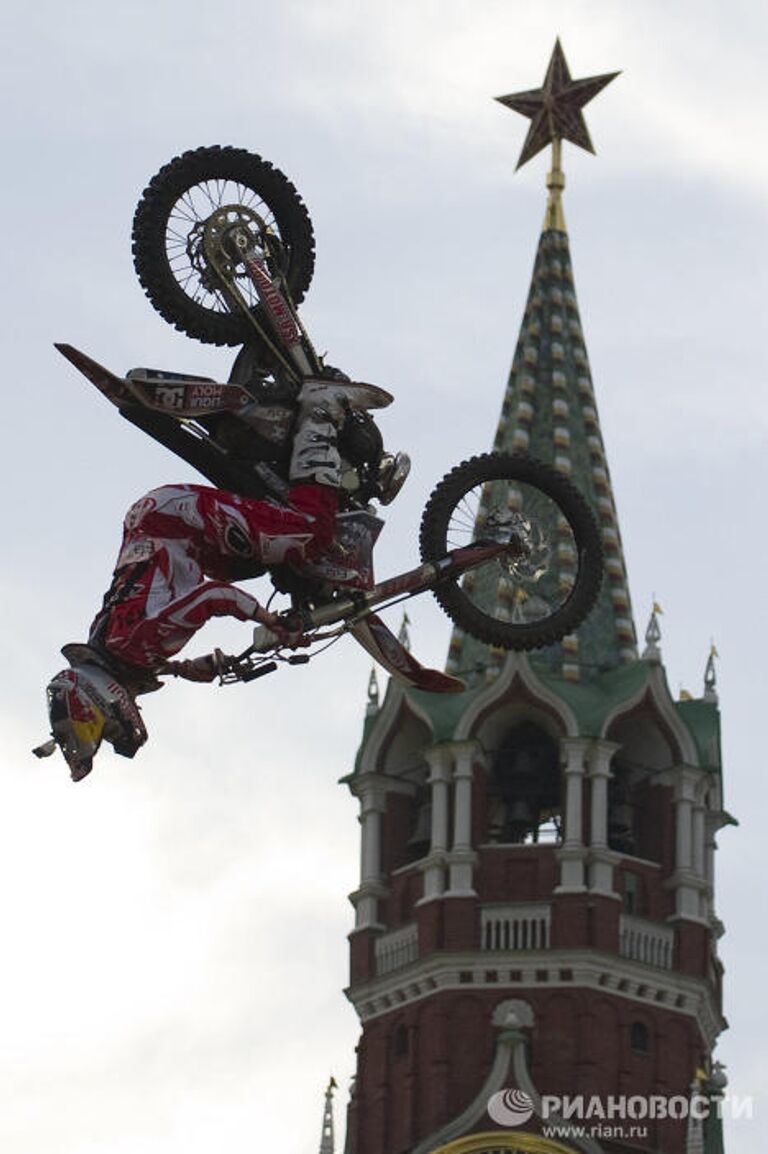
[462, 857]
[711, 825]
[684, 831]
[371, 889]
[713, 821]
[699, 851]
[601, 859]
[698, 839]
[462, 795]
[572, 853]
[440, 761]
[440, 781]
[599, 772]
[370, 841]
[688, 879]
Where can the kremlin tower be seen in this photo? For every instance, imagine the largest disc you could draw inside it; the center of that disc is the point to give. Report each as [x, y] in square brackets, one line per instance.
[535, 933]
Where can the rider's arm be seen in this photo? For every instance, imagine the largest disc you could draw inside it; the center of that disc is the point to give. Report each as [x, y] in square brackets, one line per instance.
[245, 608]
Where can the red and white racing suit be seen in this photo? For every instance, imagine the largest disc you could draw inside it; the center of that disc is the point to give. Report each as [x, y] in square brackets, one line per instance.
[177, 536]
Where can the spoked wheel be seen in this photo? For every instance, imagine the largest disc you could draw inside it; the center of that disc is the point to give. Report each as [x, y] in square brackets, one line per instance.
[187, 211]
[531, 601]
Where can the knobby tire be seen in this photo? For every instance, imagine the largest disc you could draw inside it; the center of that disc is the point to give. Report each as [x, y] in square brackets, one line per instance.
[149, 237]
[433, 540]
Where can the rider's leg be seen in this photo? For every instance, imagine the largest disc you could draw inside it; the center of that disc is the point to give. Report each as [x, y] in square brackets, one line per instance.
[150, 640]
[155, 605]
[209, 527]
[238, 528]
[240, 531]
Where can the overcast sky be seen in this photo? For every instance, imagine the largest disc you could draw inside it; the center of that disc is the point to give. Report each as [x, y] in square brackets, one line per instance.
[174, 928]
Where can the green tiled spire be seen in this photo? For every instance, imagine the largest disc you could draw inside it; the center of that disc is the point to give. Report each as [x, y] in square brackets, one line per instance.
[549, 411]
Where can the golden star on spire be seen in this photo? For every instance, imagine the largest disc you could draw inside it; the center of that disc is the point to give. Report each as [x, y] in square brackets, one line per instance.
[555, 109]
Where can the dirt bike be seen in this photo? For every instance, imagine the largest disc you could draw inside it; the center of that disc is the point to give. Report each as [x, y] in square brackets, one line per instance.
[223, 247]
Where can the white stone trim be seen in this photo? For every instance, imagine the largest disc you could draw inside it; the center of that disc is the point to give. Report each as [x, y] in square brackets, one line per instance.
[461, 859]
[515, 926]
[396, 949]
[591, 969]
[689, 879]
[646, 941]
[433, 867]
[574, 753]
[600, 754]
[365, 900]
[602, 863]
[387, 719]
[439, 759]
[657, 687]
[516, 664]
[461, 867]
[370, 789]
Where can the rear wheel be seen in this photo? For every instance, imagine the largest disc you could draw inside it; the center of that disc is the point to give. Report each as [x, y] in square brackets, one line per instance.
[220, 188]
[523, 603]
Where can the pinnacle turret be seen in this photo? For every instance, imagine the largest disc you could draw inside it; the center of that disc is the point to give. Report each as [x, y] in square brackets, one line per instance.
[710, 676]
[372, 706]
[652, 652]
[327, 1140]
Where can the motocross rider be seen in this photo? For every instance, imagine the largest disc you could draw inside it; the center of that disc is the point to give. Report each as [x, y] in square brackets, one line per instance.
[182, 546]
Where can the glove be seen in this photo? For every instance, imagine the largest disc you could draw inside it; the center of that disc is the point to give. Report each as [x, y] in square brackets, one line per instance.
[288, 628]
[203, 669]
[290, 637]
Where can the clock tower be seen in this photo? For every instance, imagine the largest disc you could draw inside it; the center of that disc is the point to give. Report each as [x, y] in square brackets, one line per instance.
[534, 960]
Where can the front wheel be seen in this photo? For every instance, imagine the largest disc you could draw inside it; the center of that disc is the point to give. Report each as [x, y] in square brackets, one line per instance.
[526, 602]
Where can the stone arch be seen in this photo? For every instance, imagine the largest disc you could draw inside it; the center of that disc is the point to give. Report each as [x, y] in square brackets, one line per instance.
[651, 741]
[516, 692]
[399, 733]
[393, 755]
[401, 751]
[668, 739]
[517, 701]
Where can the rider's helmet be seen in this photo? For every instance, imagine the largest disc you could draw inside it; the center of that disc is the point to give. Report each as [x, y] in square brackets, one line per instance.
[86, 706]
[361, 445]
[359, 439]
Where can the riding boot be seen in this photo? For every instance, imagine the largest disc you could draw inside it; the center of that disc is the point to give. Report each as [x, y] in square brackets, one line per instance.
[315, 459]
[323, 408]
[339, 397]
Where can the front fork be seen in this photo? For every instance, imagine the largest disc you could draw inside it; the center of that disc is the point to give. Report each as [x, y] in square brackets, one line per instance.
[293, 348]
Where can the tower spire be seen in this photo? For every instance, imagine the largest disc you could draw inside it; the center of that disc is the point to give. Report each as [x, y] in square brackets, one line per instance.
[555, 217]
[549, 408]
